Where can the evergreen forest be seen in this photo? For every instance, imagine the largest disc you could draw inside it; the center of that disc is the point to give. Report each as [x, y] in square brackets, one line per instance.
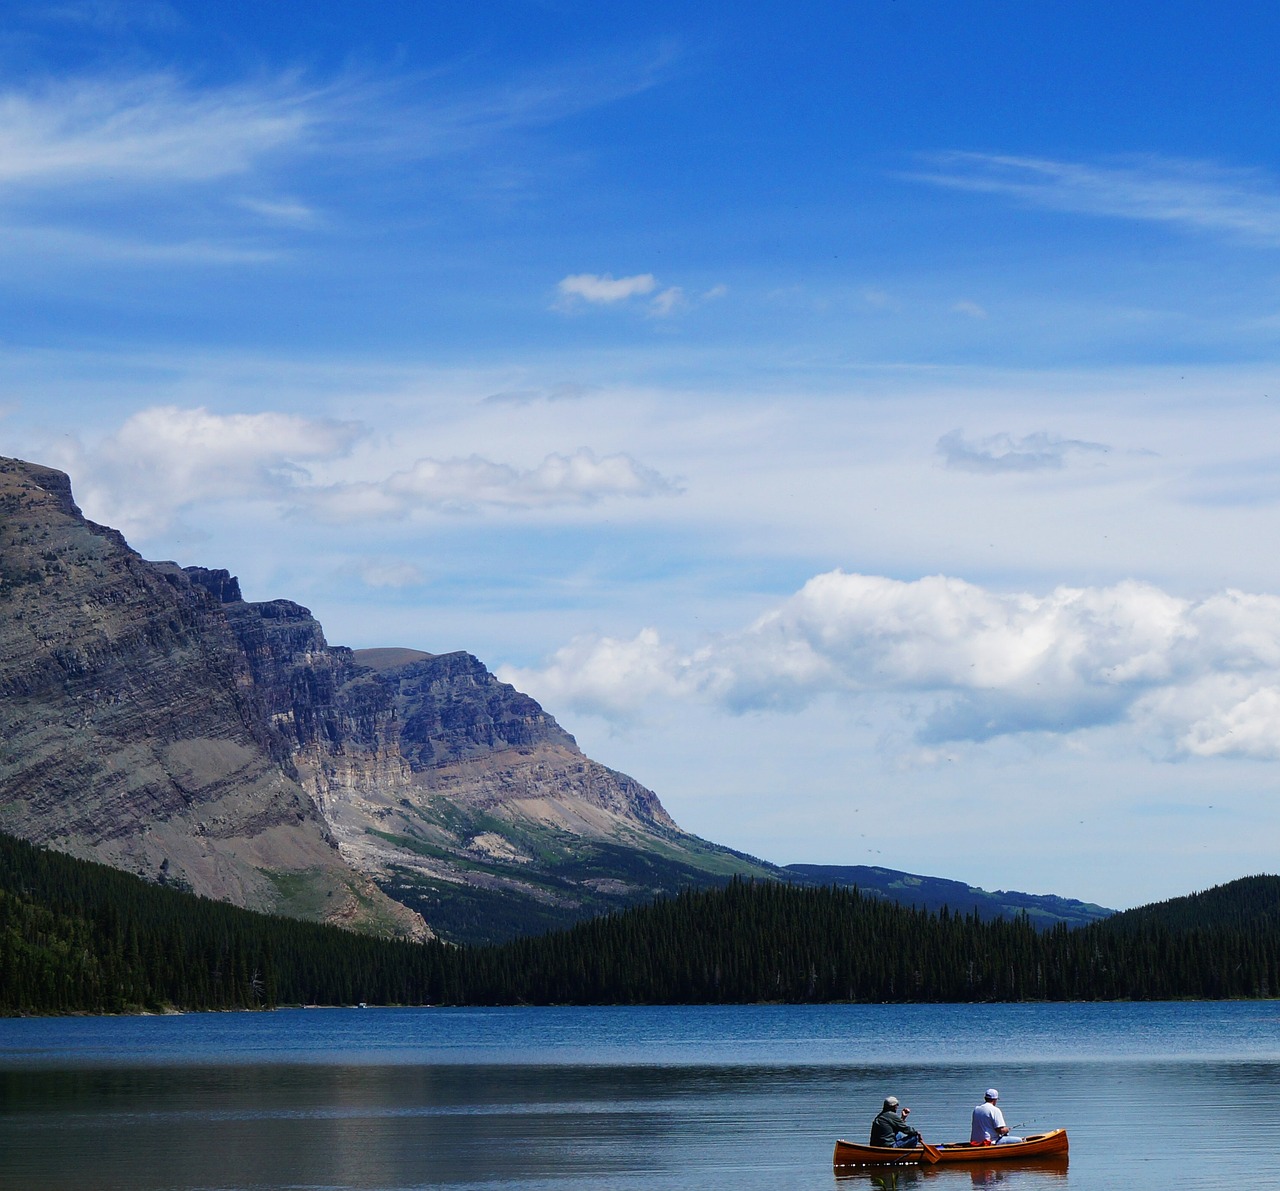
[78, 937]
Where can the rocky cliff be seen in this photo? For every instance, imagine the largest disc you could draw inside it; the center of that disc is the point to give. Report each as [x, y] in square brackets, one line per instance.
[133, 732]
[152, 718]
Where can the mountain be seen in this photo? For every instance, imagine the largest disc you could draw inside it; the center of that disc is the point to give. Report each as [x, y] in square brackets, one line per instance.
[154, 720]
[1249, 904]
[932, 893]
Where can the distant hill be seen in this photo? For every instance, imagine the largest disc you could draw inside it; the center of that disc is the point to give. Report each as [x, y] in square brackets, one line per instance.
[933, 893]
[1249, 904]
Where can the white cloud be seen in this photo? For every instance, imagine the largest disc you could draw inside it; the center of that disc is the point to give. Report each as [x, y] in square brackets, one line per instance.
[144, 130]
[166, 458]
[1003, 453]
[608, 677]
[1194, 678]
[289, 212]
[78, 153]
[393, 573]
[467, 485]
[668, 301]
[607, 290]
[968, 308]
[1192, 194]
[604, 289]
[879, 299]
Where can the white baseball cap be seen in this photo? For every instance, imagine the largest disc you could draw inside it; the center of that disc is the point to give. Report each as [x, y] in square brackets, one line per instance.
[992, 1094]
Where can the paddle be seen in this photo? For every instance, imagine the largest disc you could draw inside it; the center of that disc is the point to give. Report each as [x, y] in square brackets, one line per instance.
[931, 1154]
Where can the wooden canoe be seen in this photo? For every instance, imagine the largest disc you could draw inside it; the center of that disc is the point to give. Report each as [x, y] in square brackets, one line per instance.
[1037, 1145]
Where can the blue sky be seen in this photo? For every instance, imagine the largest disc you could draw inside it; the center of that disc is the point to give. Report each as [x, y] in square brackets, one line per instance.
[856, 421]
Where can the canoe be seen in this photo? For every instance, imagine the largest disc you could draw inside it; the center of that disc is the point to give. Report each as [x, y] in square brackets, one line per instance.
[1037, 1145]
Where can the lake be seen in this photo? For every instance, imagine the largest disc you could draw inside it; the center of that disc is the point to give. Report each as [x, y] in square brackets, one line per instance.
[707, 1098]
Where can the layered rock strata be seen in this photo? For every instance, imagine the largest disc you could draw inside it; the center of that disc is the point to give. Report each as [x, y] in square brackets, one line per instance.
[153, 719]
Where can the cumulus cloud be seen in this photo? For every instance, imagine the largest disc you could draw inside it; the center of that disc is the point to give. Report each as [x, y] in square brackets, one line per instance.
[1040, 451]
[1192, 194]
[166, 458]
[610, 677]
[470, 484]
[1195, 678]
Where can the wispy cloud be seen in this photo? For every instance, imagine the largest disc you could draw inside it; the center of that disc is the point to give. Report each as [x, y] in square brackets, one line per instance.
[474, 483]
[113, 15]
[145, 130]
[667, 302]
[284, 211]
[472, 116]
[1194, 678]
[389, 573]
[79, 153]
[1191, 194]
[603, 289]
[104, 247]
[564, 391]
[997, 453]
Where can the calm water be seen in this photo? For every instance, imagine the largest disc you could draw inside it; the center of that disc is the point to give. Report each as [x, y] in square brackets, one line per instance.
[1154, 1096]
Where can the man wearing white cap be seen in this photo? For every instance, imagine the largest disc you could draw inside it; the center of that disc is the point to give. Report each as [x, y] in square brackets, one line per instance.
[988, 1123]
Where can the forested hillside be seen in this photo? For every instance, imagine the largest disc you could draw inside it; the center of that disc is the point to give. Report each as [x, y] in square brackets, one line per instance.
[83, 937]
[79, 937]
[1249, 904]
[764, 941]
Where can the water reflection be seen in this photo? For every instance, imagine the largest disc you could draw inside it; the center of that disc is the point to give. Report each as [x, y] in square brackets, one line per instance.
[1042, 1173]
[363, 1125]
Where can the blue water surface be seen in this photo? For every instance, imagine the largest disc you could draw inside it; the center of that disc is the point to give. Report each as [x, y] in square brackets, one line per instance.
[742, 1097]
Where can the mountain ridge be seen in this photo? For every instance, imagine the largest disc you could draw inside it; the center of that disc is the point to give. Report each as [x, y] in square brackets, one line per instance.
[933, 893]
[154, 719]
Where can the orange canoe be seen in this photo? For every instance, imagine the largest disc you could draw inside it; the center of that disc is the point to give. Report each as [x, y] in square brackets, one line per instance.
[1037, 1145]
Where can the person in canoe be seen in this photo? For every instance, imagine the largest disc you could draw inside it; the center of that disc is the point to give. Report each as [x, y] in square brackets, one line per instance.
[988, 1123]
[890, 1128]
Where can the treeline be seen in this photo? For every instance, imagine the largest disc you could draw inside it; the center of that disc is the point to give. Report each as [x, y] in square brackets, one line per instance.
[773, 942]
[82, 937]
[78, 937]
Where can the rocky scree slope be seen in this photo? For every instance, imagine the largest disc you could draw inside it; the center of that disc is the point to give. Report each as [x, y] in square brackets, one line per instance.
[153, 719]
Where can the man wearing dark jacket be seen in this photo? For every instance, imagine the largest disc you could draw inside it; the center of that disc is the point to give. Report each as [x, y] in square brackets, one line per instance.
[890, 1128]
